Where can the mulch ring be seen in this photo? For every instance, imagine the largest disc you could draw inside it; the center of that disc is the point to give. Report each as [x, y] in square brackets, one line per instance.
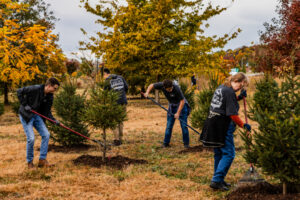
[260, 191]
[117, 162]
[65, 149]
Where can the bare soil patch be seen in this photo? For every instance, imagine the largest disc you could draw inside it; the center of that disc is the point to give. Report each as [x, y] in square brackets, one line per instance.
[117, 162]
[260, 191]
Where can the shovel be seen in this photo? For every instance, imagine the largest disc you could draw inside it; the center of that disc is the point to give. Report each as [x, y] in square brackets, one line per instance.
[251, 176]
[171, 114]
[96, 141]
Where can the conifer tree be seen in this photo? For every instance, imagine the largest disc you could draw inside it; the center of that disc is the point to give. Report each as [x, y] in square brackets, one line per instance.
[103, 111]
[275, 146]
[69, 107]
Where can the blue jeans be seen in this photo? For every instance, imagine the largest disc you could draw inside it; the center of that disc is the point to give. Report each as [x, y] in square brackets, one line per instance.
[36, 122]
[170, 123]
[224, 156]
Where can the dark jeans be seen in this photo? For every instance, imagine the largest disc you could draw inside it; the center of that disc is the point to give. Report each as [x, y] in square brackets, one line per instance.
[170, 123]
[224, 155]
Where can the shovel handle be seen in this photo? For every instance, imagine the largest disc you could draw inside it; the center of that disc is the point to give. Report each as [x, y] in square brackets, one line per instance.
[51, 120]
[246, 120]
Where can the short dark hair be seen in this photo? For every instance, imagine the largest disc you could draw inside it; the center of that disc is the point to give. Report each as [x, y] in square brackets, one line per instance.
[167, 83]
[52, 81]
[107, 71]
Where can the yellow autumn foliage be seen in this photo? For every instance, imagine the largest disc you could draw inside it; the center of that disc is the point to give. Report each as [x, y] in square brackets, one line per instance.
[155, 39]
[22, 49]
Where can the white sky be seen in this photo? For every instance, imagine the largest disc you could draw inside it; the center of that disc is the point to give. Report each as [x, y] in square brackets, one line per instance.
[248, 15]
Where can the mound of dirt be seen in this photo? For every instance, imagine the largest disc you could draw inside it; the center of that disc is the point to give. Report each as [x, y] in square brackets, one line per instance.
[65, 149]
[117, 162]
[260, 191]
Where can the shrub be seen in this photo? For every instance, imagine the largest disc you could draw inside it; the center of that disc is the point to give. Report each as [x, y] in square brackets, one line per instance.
[103, 111]
[69, 107]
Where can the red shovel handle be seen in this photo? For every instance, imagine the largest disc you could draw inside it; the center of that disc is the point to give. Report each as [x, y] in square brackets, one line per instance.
[51, 120]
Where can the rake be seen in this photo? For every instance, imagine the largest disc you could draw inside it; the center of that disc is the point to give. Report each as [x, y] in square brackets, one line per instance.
[172, 114]
[251, 176]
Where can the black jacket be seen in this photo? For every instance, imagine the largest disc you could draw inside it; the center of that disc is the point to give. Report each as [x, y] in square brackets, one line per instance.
[35, 97]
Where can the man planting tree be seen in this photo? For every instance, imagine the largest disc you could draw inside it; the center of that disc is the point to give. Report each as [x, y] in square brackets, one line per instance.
[117, 83]
[178, 109]
[38, 98]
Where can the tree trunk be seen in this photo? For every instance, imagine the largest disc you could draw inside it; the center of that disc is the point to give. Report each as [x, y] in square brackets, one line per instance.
[6, 102]
[143, 91]
[104, 145]
[284, 188]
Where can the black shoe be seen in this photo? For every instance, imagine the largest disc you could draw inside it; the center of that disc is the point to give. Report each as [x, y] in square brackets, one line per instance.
[218, 186]
[165, 145]
[186, 146]
[227, 184]
[117, 142]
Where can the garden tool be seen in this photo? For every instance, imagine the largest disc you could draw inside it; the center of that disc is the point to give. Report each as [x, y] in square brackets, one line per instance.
[96, 141]
[171, 113]
[251, 176]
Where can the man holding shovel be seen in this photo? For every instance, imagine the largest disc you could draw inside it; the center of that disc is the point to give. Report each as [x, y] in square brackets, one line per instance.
[178, 109]
[38, 98]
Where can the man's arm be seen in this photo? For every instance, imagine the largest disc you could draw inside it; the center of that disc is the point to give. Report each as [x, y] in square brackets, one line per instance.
[23, 93]
[150, 87]
[177, 114]
[22, 97]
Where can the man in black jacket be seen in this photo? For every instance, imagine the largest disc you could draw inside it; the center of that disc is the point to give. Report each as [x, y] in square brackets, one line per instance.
[40, 99]
[118, 84]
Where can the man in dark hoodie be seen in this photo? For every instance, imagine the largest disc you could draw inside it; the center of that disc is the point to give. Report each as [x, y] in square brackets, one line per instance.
[40, 99]
[117, 83]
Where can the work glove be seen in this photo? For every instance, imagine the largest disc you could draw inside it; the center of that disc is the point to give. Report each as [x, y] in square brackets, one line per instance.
[242, 94]
[27, 108]
[248, 127]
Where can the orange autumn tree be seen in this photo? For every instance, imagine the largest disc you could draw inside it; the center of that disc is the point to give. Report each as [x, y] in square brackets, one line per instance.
[23, 49]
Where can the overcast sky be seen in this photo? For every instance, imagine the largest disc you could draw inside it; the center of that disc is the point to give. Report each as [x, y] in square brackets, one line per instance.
[248, 15]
